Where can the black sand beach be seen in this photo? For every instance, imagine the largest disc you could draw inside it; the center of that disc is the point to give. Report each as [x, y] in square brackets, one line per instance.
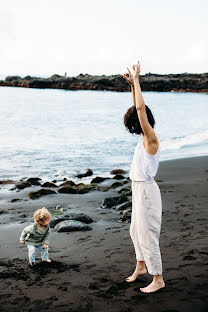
[89, 269]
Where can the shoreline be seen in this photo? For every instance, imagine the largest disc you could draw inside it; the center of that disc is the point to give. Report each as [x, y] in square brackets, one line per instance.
[89, 268]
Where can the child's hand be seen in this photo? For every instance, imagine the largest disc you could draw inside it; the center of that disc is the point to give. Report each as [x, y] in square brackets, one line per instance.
[45, 246]
[22, 242]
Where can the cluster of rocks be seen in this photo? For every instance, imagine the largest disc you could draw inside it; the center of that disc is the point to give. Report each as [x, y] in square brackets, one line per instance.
[122, 204]
[67, 186]
[150, 82]
[77, 222]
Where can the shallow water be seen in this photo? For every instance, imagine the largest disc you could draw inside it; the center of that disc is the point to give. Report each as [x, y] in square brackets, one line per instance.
[54, 133]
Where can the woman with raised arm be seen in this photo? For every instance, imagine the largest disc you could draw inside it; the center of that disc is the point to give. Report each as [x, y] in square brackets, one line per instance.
[146, 198]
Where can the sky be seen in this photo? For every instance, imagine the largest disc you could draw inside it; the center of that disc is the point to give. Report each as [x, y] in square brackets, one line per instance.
[46, 37]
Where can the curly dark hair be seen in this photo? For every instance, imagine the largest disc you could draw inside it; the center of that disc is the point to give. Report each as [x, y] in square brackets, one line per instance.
[131, 120]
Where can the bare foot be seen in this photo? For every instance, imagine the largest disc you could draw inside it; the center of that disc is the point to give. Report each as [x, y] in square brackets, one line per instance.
[48, 260]
[133, 277]
[154, 286]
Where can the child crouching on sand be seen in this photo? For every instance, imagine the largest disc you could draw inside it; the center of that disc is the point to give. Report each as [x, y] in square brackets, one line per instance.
[37, 235]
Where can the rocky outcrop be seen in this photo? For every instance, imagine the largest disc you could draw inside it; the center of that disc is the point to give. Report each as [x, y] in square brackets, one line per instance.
[150, 82]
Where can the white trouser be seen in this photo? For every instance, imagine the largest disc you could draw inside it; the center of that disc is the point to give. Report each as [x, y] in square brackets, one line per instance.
[146, 224]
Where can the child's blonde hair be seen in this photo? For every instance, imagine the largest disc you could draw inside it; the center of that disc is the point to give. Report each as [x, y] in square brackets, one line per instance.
[41, 215]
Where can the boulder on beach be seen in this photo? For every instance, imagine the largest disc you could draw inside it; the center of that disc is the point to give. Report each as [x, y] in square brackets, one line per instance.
[117, 171]
[72, 216]
[113, 201]
[85, 188]
[68, 183]
[98, 180]
[34, 181]
[118, 177]
[71, 226]
[39, 193]
[15, 200]
[22, 185]
[125, 191]
[126, 215]
[68, 190]
[88, 173]
[116, 184]
[49, 184]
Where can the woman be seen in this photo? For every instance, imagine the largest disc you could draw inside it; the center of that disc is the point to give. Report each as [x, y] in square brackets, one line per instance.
[146, 198]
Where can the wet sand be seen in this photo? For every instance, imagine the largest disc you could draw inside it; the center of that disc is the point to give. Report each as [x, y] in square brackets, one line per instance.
[89, 269]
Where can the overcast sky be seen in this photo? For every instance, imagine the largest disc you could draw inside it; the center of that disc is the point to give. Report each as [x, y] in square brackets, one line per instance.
[44, 37]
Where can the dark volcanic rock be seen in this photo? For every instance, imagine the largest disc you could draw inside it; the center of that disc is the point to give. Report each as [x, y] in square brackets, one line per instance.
[118, 177]
[86, 174]
[116, 184]
[22, 185]
[98, 179]
[113, 201]
[126, 215]
[85, 188]
[150, 82]
[125, 191]
[68, 183]
[39, 193]
[15, 200]
[49, 184]
[117, 171]
[34, 181]
[68, 190]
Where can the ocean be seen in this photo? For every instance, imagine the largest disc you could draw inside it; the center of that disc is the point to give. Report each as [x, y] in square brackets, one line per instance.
[53, 134]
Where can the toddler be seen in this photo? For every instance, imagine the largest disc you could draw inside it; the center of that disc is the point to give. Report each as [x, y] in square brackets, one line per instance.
[37, 235]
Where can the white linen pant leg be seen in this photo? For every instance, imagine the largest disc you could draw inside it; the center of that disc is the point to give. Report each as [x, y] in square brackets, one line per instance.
[146, 224]
[133, 229]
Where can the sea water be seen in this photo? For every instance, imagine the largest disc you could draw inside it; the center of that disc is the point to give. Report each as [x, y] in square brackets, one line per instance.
[56, 133]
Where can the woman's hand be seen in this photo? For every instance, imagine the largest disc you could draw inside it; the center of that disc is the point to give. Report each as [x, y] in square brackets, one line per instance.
[129, 77]
[22, 242]
[45, 246]
[136, 71]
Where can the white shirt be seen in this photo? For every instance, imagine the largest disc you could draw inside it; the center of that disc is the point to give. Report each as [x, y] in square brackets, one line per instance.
[144, 166]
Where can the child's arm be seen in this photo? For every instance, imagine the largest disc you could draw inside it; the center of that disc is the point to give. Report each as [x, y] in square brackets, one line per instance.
[47, 237]
[25, 232]
[22, 236]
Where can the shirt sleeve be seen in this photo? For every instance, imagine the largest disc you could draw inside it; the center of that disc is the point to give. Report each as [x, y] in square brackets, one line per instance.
[47, 236]
[25, 232]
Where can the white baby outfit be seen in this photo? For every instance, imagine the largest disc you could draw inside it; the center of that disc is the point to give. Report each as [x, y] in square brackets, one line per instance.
[146, 208]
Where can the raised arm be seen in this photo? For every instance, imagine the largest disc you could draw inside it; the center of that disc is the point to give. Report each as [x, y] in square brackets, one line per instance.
[128, 76]
[150, 138]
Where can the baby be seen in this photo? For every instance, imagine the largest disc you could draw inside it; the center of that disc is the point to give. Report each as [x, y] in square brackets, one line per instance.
[37, 235]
